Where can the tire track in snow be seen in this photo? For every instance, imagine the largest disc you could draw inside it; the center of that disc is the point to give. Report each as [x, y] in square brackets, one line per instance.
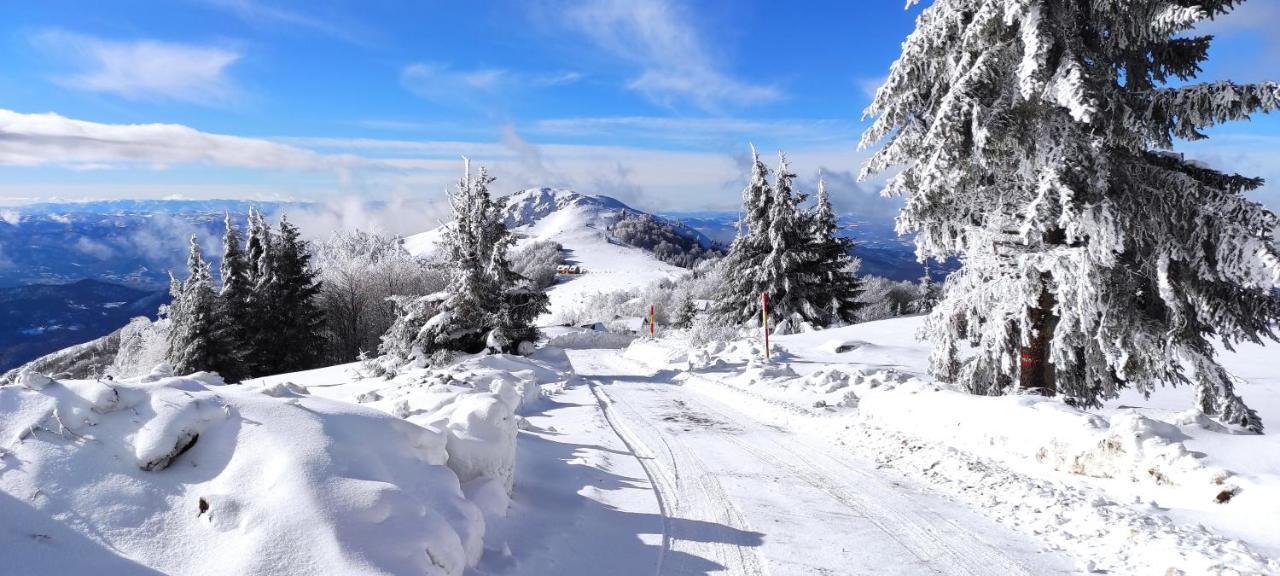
[645, 463]
[824, 513]
[694, 501]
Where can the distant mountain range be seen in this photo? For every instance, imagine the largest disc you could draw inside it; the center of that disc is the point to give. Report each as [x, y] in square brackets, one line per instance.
[129, 242]
[40, 318]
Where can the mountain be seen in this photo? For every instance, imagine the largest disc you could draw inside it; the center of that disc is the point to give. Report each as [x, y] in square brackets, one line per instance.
[584, 225]
[129, 242]
[40, 318]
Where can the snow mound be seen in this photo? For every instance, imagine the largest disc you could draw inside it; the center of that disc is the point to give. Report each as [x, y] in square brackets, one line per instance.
[187, 476]
[474, 403]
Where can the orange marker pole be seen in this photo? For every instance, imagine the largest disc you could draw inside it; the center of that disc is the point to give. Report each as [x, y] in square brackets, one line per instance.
[764, 315]
[651, 321]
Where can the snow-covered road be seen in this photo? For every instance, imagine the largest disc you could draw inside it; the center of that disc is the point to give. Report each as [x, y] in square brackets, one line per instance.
[741, 497]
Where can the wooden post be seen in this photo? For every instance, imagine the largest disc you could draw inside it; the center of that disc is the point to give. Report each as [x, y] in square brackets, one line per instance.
[652, 319]
[764, 315]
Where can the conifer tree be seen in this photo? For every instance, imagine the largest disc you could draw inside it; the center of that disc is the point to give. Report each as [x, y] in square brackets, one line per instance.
[258, 311]
[197, 340]
[790, 271]
[739, 301]
[1035, 143]
[486, 304]
[297, 320]
[837, 289]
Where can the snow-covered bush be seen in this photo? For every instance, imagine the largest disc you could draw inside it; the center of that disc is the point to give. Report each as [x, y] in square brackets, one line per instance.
[883, 298]
[143, 346]
[538, 261]
[359, 272]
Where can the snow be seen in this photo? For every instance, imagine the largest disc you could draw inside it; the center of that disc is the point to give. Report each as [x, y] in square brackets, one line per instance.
[1198, 496]
[184, 475]
[580, 223]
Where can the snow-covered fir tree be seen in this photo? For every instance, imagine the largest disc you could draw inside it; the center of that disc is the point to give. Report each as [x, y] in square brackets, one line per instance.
[686, 313]
[486, 305]
[295, 339]
[258, 311]
[794, 255]
[929, 291]
[837, 289]
[739, 301]
[1034, 143]
[233, 297]
[791, 276]
[198, 340]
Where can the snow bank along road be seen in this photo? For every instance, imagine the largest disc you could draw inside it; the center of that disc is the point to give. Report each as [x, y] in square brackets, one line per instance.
[741, 497]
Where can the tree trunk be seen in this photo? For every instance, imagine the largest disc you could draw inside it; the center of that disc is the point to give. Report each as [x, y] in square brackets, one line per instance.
[1036, 374]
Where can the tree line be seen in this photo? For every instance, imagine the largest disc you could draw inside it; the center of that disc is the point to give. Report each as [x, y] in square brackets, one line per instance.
[264, 317]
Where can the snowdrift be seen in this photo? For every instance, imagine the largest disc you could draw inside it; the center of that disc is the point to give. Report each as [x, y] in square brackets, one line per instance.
[184, 475]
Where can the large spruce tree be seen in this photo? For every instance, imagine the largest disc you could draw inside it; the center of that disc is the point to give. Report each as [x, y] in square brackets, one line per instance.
[1035, 139]
[296, 334]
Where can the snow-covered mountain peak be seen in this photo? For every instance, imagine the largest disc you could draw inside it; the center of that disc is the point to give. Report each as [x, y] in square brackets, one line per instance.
[584, 225]
[529, 206]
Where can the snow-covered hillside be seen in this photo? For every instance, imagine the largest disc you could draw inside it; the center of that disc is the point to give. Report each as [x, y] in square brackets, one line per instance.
[581, 224]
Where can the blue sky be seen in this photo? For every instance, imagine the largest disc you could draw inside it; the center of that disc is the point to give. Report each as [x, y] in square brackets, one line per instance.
[653, 101]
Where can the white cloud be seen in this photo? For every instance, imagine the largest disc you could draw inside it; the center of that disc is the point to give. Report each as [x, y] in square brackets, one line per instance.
[325, 169]
[675, 64]
[144, 69]
[443, 84]
[51, 139]
[335, 25]
[94, 248]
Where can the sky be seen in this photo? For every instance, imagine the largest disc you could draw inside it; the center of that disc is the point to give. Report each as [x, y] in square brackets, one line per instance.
[654, 102]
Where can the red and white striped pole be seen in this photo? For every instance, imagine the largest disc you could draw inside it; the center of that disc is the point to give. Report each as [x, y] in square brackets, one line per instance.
[764, 315]
[651, 321]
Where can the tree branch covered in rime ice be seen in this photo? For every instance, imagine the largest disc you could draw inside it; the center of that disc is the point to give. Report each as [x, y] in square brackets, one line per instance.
[360, 272]
[485, 305]
[1034, 144]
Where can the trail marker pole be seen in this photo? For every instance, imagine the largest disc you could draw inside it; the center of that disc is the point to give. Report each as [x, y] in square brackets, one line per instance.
[764, 315]
[651, 321]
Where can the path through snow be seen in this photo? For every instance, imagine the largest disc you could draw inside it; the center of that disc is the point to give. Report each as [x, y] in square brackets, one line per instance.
[738, 496]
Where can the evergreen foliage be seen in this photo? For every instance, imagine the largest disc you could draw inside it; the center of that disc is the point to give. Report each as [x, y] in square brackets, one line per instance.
[198, 340]
[486, 305]
[264, 320]
[838, 286]
[1034, 139]
[792, 254]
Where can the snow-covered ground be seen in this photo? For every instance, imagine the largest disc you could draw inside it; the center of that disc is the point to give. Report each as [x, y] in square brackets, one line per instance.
[1138, 487]
[321, 472]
